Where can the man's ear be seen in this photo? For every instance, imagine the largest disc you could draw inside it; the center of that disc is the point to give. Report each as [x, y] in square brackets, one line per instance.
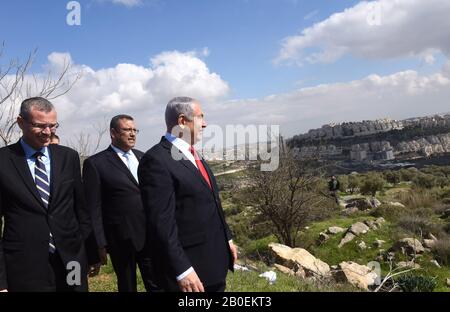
[20, 122]
[181, 120]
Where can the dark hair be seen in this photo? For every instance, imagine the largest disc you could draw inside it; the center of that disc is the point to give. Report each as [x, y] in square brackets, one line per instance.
[39, 103]
[114, 124]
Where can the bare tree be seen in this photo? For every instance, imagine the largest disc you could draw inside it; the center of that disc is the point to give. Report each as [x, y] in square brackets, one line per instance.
[289, 197]
[16, 85]
[85, 143]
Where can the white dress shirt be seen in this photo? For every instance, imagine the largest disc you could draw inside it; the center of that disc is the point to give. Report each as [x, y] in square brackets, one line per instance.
[129, 159]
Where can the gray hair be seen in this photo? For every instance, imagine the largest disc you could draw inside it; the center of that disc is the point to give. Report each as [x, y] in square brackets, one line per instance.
[177, 106]
[39, 103]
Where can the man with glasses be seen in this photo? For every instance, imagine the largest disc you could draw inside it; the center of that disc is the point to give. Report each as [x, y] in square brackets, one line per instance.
[114, 201]
[46, 237]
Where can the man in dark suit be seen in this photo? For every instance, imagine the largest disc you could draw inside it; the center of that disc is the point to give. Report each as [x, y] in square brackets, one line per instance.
[41, 199]
[190, 241]
[114, 201]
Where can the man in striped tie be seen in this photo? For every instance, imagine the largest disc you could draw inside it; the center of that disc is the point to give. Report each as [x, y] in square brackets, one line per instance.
[47, 232]
[191, 243]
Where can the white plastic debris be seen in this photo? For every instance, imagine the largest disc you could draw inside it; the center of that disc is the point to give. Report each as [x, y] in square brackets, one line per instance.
[241, 268]
[271, 276]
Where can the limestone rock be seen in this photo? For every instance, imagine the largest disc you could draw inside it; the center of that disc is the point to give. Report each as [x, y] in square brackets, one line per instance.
[359, 228]
[409, 246]
[429, 243]
[362, 245]
[378, 243]
[299, 258]
[360, 276]
[347, 238]
[322, 238]
[335, 230]
[409, 264]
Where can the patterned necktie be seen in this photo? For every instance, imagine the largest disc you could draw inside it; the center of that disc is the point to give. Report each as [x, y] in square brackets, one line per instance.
[200, 166]
[131, 165]
[43, 187]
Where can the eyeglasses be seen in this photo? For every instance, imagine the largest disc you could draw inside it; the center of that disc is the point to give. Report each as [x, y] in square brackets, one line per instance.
[42, 127]
[130, 130]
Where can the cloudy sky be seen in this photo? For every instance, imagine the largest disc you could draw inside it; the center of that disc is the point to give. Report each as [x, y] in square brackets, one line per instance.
[294, 63]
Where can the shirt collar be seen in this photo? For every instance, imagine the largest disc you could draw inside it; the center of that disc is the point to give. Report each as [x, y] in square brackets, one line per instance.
[119, 151]
[29, 151]
[181, 144]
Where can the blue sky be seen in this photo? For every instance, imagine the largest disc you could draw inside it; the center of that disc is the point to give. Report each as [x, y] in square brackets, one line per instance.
[261, 58]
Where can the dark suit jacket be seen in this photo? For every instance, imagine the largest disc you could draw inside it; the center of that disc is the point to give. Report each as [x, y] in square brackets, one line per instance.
[114, 199]
[185, 219]
[24, 247]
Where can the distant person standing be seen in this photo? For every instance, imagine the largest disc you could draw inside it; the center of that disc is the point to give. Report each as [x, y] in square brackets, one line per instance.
[114, 201]
[333, 187]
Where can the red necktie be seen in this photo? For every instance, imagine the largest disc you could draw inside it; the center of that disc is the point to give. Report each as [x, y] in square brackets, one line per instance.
[200, 165]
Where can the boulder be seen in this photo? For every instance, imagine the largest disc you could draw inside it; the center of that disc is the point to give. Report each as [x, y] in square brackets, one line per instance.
[362, 245]
[335, 230]
[379, 221]
[448, 282]
[429, 243]
[378, 243]
[350, 211]
[409, 246]
[286, 270]
[360, 203]
[360, 276]
[371, 224]
[435, 263]
[396, 204]
[347, 238]
[299, 259]
[406, 265]
[322, 238]
[358, 228]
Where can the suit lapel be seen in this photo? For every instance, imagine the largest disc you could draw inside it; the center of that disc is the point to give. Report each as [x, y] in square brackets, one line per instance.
[185, 162]
[19, 161]
[56, 169]
[116, 161]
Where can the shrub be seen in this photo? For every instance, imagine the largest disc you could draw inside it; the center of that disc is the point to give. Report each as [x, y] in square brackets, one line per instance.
[419, 198]
[425, 181]
[418, 225]
[389, 212]
[446, 201]
[416, 283]
[442, 250]
[372, 184]
[259, 249]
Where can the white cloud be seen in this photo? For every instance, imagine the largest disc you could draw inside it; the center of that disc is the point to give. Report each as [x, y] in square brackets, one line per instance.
[143, 92]
[380, 29]
[137, 90]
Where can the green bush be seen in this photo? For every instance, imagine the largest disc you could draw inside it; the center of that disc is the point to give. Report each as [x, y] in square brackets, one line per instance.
[372, 184]
[259, 249]
[446, 201]
[416, 283]
[389, 212]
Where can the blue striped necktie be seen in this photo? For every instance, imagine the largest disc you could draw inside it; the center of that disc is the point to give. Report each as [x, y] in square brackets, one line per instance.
[43, 187]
